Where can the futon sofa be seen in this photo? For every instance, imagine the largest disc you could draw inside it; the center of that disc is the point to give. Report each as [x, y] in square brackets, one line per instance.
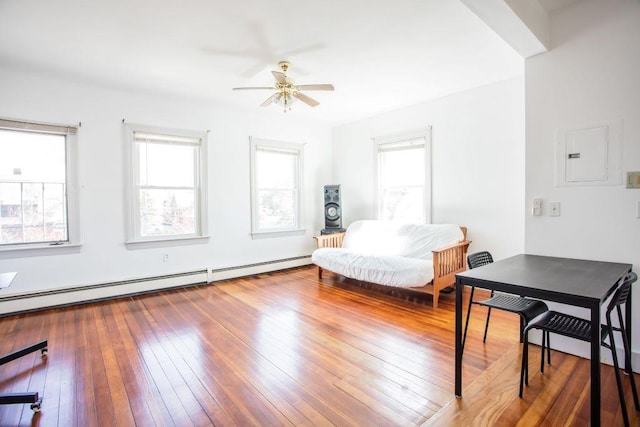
[419, 257]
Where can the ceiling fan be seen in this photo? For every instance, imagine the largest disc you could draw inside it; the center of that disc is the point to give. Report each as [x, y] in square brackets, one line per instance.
[286, 90]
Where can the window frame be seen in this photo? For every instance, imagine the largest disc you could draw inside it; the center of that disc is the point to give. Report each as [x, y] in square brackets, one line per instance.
[276, 145]
[132, 170]
[427, 186]
[71, 186]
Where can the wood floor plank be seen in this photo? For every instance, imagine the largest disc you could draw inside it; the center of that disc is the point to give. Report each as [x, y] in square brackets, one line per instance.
[104, 402]
[85, 402]
[286, 348]
[194, 365]
[158, 367]
[139, 395]
[281, 375]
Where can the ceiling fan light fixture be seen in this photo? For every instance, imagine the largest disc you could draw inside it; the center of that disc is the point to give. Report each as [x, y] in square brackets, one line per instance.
[285, 100]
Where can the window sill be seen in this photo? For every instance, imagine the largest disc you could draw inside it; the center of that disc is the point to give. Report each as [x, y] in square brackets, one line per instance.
[38, 250]
[271, 234]
[164, 242]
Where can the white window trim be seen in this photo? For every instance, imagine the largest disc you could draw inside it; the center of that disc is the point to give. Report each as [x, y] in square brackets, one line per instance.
[377, 142]
[131, 201]
[274, 144]
[73, 191]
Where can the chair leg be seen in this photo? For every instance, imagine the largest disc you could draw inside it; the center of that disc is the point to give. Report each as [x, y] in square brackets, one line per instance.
[548, 347]
[544, 341]
[614, 353]
[627, 356]
[466, 323]
[524, 368]
[486, 326]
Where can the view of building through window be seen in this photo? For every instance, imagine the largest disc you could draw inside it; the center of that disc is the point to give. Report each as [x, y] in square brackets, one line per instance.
[33, 206]
[276, 187]
[276, 176]
[167, 185]
[401, 181]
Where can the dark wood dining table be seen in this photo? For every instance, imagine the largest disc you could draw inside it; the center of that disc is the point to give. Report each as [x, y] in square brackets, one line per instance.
[575, 282]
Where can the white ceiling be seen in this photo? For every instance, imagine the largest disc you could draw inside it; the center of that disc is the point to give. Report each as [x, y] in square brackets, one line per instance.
[380, 55]
[552, 5]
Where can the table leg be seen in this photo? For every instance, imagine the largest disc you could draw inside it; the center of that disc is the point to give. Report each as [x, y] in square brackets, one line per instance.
[458, 338]
[628, 322]
[595, 365]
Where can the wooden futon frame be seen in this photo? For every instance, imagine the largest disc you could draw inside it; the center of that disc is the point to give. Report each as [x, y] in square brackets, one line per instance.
[447, 262]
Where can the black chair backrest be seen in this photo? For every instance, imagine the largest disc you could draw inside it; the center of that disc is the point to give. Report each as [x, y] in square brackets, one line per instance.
[479, 259]
[622, 293]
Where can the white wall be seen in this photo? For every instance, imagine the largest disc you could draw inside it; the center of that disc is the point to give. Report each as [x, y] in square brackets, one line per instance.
[103, 256]
[478, 162]
[591, 75]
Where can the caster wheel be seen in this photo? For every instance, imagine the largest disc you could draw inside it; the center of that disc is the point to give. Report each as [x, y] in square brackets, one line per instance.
[35, 406]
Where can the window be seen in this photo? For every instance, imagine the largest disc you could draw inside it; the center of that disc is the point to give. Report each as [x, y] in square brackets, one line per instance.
[404, 178]
[276, 171]
[37, 185]
[167, 184]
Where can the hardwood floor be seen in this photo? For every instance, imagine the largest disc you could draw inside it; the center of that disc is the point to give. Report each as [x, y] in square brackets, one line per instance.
[284, 349]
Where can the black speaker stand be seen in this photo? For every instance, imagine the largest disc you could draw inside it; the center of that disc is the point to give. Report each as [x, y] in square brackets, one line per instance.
[27, 397]
[325, 231]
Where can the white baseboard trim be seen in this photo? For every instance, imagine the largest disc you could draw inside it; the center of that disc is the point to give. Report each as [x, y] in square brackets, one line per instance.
[57, 297]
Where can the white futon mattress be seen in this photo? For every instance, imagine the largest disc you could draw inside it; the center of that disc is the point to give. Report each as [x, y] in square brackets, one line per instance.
[390, 270]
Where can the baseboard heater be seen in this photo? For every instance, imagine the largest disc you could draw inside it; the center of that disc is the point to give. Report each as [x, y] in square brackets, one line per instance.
[219, 274]
[60, 297]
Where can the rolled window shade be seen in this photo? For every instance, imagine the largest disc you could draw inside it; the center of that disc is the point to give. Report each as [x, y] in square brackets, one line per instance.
[277, 150]
[37, 127]
[165, 139]
[408, 144]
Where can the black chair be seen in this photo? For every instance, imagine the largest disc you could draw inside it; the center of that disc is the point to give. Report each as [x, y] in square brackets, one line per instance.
[527, 308]
[578, 328]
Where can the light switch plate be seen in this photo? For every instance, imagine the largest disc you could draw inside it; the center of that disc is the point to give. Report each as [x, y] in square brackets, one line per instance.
[633, 179]
[537, 207]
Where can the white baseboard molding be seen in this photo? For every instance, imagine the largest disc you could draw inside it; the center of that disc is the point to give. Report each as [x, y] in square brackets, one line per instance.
[39, 300]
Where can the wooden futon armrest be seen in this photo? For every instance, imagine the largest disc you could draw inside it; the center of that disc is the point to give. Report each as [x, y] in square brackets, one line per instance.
[330, 240]
[447, 262]
[450, 259]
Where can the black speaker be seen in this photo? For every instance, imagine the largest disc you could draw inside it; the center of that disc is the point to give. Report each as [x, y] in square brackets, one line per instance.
[332, 210]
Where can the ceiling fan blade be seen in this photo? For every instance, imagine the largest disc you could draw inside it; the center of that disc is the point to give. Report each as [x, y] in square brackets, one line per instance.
[316, 87]
[280, 78]
[269, 100]
[304, 98]
[252, 88]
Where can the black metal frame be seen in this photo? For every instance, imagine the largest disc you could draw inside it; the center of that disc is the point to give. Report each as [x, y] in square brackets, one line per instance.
[580, 283]
[527, 308]
[27, 397]
[580, 329]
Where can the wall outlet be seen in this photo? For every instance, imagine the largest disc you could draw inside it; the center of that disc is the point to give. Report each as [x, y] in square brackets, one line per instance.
[554, 208]
[165, 257]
